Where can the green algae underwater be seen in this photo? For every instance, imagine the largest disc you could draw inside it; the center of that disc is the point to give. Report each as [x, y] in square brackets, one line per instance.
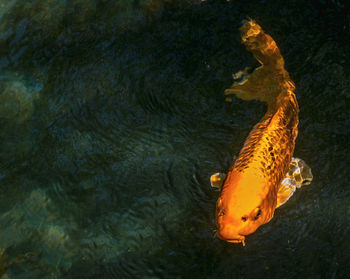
[113, 118]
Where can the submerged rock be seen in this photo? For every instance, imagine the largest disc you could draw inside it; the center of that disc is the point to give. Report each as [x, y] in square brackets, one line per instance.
[17, 99]
[5, 263]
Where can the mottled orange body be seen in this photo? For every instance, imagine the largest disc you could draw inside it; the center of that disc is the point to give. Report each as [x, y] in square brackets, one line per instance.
[249, 195]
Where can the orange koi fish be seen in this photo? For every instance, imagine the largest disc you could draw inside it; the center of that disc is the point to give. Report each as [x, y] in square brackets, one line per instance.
[265, 175]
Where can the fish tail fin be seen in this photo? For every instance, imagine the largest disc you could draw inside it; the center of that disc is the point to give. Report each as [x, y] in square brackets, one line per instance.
[269, 80]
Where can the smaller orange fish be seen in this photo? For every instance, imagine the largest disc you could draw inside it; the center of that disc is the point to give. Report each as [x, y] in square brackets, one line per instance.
[265, 175]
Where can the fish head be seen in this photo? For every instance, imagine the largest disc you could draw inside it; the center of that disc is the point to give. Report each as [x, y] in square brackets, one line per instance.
[245, 203]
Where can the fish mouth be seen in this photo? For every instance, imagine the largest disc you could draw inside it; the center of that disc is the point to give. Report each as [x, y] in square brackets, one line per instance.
[239, 239]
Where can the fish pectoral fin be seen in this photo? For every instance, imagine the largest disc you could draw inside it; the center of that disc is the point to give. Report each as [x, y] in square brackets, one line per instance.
[285, 191]
[300, 172]
[217, 179]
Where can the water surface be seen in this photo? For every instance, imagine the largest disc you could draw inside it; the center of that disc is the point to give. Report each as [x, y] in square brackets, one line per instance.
[113, 119]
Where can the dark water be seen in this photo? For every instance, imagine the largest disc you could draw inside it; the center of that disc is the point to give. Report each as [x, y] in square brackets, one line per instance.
[113, 119]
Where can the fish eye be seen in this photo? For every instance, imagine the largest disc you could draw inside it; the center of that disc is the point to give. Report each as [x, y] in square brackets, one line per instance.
[244, 218]
[257, 214]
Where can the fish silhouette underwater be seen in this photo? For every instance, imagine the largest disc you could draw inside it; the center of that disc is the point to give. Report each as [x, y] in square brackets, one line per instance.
[264, 175]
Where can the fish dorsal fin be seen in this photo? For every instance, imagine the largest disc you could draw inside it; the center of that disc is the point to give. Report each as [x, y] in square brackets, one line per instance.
[217, 179]
[285, 191]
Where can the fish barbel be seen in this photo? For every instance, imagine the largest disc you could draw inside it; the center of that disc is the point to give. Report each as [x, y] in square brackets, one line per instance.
[255, 185]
